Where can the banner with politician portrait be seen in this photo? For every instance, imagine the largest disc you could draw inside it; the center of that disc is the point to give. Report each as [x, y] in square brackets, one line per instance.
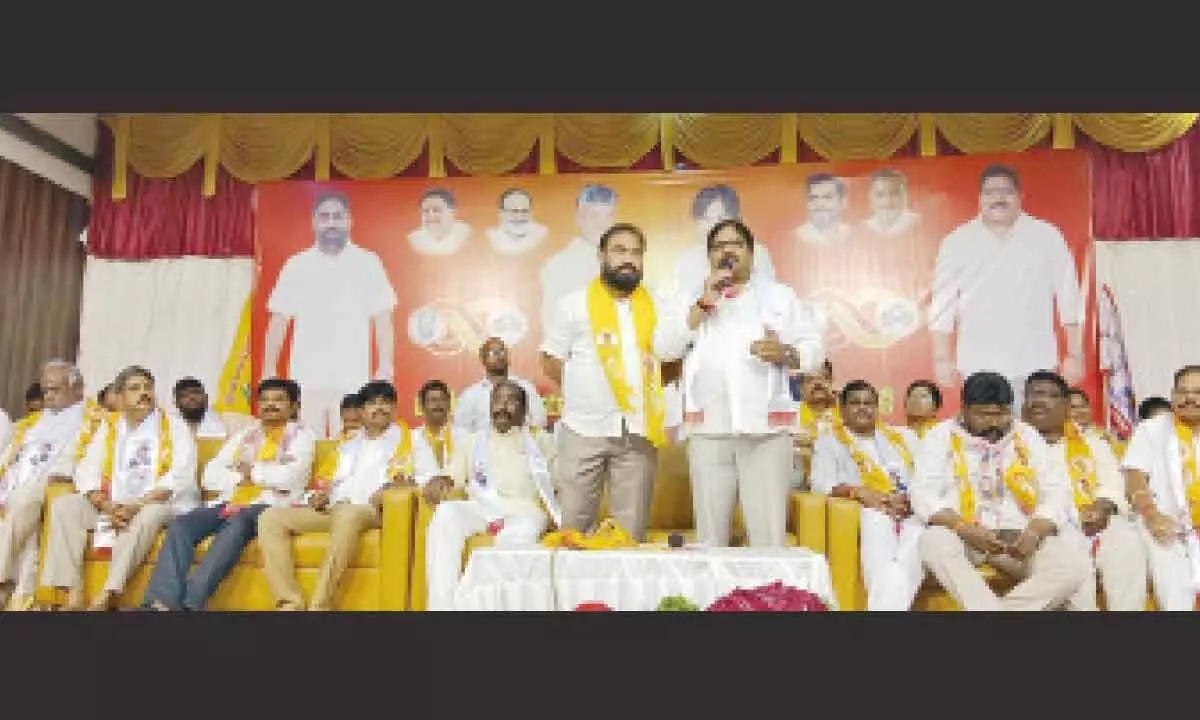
[915, 268]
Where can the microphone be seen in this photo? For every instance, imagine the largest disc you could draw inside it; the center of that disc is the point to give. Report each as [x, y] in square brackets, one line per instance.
[727, 265]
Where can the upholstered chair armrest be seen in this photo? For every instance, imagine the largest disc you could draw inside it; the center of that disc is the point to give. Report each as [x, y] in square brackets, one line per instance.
[843, 553]
[809, 509]
[396, 546]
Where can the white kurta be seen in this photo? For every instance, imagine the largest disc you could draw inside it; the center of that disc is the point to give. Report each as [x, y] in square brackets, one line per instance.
[364, 466]
[425, 462]
[425, 243]
[211, 426]
[589, 407]
[332, 299]
[891, 560]
[473, 406]
[282, 480]
[693, 268]
[1001, 293]
[135, 462]
[1174, 567]
[506, 244]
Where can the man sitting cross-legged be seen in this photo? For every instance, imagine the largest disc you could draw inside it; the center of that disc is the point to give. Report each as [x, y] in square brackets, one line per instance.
[265, 465]
[506, 471]
[377, 457]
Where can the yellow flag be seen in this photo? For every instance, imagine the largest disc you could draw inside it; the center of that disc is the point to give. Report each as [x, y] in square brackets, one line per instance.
[234, 385]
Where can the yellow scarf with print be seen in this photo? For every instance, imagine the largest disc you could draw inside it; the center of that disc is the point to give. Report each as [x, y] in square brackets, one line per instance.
[606, 332]
[110, 451]
[874, 477]
[1081, 465]
[1018, 478]
[808, 418]
[1191, 478]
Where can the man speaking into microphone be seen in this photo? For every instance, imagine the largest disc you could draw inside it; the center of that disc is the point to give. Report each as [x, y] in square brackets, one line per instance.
[746, 333]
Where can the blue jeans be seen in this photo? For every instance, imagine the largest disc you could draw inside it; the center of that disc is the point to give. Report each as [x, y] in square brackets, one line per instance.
[170, 584]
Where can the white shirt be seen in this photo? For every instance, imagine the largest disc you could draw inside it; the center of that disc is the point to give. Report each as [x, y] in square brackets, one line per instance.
[47, 449]
[283, 480]
[905, 222]
[1154, 450]
[5, 428]
[135, 462]
[833, 465]
[506, 244]
[568, 269]
[425, 462]
[509, 476]
[734, 392]
[935, 487]
[363, 466]
[693, 268]
[1110, 484]
[210, 426]
[812, 234]
[1001, 293]
[473, 408]
[332, 299]
[425, 243]
[589, 407]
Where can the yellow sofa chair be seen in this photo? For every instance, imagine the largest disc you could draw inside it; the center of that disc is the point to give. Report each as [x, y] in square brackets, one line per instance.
[377, 579]
[845, 566]
[670, 512]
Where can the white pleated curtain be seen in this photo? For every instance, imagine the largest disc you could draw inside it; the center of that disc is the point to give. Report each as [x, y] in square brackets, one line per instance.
[176, 317]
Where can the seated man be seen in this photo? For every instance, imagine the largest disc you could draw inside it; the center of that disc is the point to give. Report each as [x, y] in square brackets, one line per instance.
[986, 488]
[351, 412]
[872, 463]
[434, 443]
[1081, 413]
[1163, 486]
[138, 471]
[817, 412]
[1099, 513]
[191, 400]
[43, 448]
[266, 465]
[922, 403]
[506, 471]
[345, 504]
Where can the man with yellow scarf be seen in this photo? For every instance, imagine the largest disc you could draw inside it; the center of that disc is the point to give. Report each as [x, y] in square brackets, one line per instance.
[139, 471]
[265, 465]
[986, 488]
[603, 347]
[816, 415]
[1098, 512]
[1163, 486]
[747, 332]
[872, 463]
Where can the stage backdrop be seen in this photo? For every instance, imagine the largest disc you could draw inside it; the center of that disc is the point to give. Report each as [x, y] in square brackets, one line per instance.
[465, 260]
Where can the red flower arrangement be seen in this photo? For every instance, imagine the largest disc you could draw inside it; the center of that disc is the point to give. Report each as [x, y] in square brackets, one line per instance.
[592, 607]
[774, 597]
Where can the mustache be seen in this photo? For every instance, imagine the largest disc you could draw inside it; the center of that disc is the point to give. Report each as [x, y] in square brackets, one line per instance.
[998, 204]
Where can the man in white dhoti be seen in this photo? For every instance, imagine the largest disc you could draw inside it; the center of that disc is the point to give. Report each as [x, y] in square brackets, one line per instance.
[139, 471]
[711, 205]
[872, 463]
[472, 409]
[986, 488]
[43, 447]
[191, 401]
[1098, 512]
[506, 472]
[739, 414]
[434, 442]
[997, 282]
[517, 232]
[345, 504]
[1163, 486]
[441, 232]
[826, 202]
[577, 264]
[336, 292]
[604, 348]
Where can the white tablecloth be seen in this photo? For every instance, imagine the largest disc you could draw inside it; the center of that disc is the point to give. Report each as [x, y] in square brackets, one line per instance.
[539, 578]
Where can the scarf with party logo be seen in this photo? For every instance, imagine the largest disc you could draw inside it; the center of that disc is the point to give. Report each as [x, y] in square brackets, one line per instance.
[872, 475]
[810, 420]
[1018, 477]
[163, 441]
[1081, 465]
[1191, 477]
[606, 333]
[259, 445]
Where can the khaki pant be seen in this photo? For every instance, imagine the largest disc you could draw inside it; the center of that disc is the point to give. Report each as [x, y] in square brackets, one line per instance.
[71, 517]
[22, 518]
[756, 469]
[1121, 562]
[1053, 574]
[584, 464]
[344, 522]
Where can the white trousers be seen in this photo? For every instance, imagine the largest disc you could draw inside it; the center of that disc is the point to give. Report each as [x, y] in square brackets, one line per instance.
[453, 522]
[757, 469]
[891, 561]
[1170, 573]
[1121, 563]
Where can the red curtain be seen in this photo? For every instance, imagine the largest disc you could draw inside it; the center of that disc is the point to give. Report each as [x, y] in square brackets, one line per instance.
[1134, 196]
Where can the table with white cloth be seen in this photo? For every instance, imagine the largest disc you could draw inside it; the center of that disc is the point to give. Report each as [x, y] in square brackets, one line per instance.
[541, 578]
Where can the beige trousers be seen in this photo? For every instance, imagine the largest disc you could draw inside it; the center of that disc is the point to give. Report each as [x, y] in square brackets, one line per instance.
[276, 526]
[757, 469]
[1121, 562]
[584, 464]
[1054, 572]
[1170, 572]
[22, 518]
[71, 517]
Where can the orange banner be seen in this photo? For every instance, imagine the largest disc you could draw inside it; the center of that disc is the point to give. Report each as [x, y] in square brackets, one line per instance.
[901, 259]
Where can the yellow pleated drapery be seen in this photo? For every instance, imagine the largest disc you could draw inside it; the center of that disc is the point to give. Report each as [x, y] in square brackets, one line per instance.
[265, 147]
